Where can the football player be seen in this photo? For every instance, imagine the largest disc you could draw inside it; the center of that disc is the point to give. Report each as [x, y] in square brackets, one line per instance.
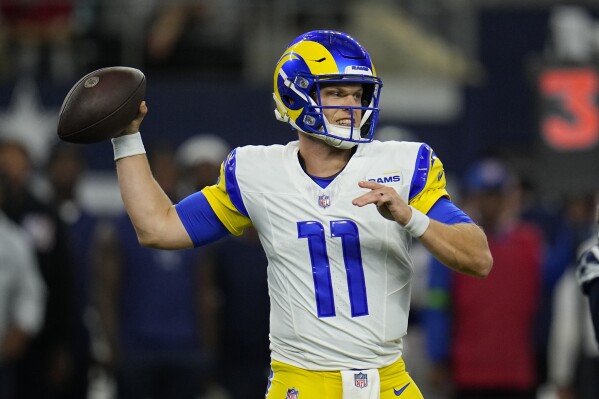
[587, 273]
[335, 211]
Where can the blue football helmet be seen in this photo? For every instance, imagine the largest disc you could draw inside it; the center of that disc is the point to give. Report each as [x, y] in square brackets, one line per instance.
[320, 58]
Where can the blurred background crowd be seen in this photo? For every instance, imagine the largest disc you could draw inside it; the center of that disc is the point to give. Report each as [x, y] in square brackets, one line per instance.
[505, 91]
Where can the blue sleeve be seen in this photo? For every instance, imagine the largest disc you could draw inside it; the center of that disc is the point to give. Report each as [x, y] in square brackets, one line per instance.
[447, 212]
[200, 221]
[437, 317]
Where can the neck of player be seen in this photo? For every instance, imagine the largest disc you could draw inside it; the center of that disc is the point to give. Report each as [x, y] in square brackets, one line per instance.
[319, 158]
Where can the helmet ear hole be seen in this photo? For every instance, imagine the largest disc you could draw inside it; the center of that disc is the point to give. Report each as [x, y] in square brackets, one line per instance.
[287, 100]
[367, 94]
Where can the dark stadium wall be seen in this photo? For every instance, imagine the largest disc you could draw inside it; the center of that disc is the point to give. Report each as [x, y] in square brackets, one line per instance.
[499, 113]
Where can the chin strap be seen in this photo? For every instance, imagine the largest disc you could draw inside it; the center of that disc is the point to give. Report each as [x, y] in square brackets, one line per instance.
[337, 143]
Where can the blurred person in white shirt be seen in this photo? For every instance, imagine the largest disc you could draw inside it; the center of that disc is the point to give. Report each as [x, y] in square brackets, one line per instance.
[22, 296]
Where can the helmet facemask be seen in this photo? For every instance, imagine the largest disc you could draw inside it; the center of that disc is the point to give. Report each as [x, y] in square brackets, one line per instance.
[341, 136]
[307, 90]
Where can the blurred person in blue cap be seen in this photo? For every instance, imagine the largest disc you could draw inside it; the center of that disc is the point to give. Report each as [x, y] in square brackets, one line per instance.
[463, 338]
[487, 185]
[487, 175]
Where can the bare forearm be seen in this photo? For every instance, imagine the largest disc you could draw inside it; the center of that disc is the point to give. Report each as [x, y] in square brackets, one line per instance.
[153, 215]
[462, 247]
[150, 209]
[141, 194]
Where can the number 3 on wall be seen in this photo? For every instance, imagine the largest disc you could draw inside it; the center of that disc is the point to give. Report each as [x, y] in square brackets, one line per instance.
[347, 231]
[574, 125]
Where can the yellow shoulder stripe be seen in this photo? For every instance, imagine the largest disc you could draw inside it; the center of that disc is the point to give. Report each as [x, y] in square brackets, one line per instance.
[221, 204]
[434, 187]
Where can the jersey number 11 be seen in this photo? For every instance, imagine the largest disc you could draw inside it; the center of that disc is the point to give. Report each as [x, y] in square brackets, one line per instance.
[347, 231]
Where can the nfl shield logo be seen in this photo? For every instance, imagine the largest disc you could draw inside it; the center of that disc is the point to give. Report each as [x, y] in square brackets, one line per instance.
[361, 380]
[324, 201]
[292, 394]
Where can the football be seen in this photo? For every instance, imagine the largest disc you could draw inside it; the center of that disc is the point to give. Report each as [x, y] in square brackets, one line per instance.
[101, 105]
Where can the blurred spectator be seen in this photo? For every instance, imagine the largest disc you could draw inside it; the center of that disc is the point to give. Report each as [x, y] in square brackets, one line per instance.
[196, 34]
[564, 224]
[236, 270]
[170, 36]
[46, 369]
[573, 361]
[39, 37]
[199, 158]
[233, 270]
[152, 307]
[587, 272]
[237, 265]
[65, 168]
[22, 298]
[487, 351]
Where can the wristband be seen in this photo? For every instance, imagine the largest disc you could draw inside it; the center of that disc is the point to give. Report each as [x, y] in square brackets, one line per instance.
[418, 223]
[127, 146]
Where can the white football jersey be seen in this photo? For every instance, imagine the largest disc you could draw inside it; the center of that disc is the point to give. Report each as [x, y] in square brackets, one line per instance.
[338, 275]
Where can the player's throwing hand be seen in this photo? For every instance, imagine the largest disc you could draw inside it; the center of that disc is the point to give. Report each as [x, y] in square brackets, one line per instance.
[387, 201]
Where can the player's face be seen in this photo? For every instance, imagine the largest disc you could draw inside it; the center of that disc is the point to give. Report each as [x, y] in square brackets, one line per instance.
[343, 95]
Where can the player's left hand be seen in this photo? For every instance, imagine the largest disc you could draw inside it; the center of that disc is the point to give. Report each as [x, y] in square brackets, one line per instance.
[388, 202]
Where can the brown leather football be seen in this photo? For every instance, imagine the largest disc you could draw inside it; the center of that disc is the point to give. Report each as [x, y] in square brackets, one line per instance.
[101, 104]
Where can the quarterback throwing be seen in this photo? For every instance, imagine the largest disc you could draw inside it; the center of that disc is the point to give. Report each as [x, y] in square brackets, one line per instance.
[336, 212]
